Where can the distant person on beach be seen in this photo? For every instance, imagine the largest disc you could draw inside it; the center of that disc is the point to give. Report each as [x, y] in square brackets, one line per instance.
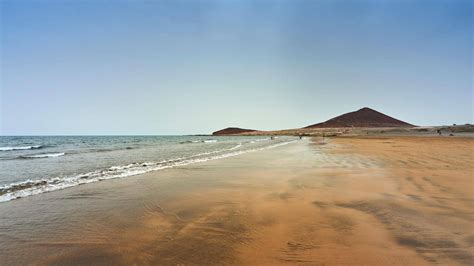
[271, 137]
[439, 132]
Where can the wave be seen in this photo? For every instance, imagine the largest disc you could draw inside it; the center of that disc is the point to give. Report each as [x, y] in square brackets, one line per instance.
[42, 155]
[189, 141]
[38, 186]
[199, 141]
[21, 148]
[236, 147]
[216, 151]
[107, 149]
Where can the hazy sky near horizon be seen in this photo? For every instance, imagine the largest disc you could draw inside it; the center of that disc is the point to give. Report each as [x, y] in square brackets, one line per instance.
[185, 67]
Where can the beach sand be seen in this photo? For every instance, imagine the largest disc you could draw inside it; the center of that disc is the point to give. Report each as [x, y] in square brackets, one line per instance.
[339, 201]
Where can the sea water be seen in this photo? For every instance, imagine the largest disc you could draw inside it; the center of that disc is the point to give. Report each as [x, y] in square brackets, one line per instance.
[32, 165]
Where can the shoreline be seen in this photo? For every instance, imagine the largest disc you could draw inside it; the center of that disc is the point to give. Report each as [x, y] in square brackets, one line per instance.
[34, 186]
[393, 200]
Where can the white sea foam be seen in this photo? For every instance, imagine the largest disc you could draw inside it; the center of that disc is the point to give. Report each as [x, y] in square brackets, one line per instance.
[38, 186]
[216, 151]
[20, 148]
[236, 147]
[210, 141]
[43, 155]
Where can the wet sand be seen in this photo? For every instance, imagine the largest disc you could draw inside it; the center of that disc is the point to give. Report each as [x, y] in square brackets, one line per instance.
[391, 201]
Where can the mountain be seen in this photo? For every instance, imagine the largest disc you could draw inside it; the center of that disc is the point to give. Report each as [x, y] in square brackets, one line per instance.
[364, 117]
[232, 130]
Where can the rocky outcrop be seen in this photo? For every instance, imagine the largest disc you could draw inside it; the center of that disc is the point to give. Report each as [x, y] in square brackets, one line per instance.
[232, 130]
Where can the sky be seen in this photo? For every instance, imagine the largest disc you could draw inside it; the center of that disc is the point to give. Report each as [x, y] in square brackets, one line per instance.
[189, 67]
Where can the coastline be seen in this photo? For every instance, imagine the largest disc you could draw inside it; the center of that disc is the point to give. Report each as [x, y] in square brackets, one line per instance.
[466, 130]
[390, 200]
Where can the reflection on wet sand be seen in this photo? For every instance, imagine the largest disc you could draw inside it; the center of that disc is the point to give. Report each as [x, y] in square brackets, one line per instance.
[340, 201]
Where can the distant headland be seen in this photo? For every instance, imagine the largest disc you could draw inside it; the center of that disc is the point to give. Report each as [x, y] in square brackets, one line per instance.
[364, 117]
[232, 130]
[364, 121]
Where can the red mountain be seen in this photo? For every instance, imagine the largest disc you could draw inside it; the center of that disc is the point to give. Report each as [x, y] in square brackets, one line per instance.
[232, 130]
[364, 117]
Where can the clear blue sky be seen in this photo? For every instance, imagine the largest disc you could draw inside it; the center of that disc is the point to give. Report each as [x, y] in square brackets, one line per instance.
[184, 67]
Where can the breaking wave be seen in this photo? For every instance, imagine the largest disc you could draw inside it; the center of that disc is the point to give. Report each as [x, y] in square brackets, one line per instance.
[42, 155]
[20, 148]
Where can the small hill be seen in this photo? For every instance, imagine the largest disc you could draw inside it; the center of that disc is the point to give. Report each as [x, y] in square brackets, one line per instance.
[364, 117]
[232, 130]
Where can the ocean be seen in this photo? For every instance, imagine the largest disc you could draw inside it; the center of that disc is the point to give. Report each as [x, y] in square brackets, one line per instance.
[31, 165]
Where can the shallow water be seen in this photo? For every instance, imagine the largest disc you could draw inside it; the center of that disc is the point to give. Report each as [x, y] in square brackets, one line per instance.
[32, 165]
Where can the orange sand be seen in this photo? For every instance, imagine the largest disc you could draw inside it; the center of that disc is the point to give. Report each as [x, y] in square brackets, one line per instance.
[344, 201]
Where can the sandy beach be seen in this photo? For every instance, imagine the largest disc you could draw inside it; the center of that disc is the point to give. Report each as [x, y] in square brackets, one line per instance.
[247, 132]
[338, 201]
